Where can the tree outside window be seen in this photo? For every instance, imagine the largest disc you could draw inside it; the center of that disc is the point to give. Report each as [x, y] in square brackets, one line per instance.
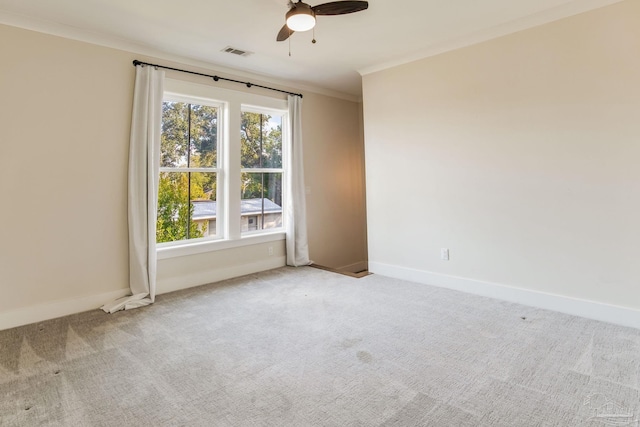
[188, 173]
[261, 163]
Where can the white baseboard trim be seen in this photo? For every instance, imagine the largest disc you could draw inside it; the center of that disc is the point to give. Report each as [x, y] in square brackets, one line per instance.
[578, 307]
[176, 283]
[355, 267]
[54, 309]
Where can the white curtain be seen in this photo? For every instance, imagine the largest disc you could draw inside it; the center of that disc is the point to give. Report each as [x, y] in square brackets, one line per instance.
[144, 163]
[296, 211]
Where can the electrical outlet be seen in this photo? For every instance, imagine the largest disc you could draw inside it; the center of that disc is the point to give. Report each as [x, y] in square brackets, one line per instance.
[444, 254]
[270, 250]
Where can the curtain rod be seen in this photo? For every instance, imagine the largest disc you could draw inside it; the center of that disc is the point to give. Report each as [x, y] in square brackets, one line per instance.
[215, 78]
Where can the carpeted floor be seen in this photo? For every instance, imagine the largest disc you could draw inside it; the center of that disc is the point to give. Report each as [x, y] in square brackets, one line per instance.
[306, 347]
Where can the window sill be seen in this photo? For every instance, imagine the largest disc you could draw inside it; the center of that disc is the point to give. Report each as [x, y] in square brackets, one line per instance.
[217, 245]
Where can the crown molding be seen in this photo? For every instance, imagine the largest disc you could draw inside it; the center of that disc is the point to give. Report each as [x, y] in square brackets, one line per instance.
[73, 33]
[567, 10]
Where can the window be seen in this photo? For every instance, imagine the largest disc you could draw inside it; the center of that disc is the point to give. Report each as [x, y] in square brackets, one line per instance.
[261, 162]
[217, 184]
[187, 190]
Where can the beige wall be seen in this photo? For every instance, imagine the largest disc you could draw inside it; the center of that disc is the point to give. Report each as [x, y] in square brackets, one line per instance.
[65, 115]
[521, 155]
[334, 173]
[64, 129]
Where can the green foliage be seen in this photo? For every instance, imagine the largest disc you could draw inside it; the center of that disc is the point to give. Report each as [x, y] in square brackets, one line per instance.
[261, 141]
[204, 136]
[174, 209]
[175, 134]
[188, 139]
[261, 147]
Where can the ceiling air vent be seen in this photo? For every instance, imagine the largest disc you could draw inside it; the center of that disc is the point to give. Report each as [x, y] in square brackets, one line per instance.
[235, 51]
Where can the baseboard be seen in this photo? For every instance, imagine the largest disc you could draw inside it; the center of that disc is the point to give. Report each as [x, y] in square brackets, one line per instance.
[584, 308]
[199, 278]
[54, 309]
[355, 267]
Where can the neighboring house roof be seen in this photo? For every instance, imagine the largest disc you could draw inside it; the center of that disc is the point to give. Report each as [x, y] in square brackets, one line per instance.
[207, 209]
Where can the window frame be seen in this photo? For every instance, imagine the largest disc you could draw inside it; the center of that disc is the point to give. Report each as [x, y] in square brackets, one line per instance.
[228, 167]
[284, 115]
[220, 152]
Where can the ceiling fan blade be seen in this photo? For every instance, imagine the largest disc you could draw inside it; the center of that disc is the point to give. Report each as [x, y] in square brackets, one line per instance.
[284, 33]
[340, 7]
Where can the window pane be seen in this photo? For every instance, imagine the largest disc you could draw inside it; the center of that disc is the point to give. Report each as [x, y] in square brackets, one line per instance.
[261, 140]
[204, 136]
[261, 201]
[189, 135]
[204, 206]
[178, 219]
[272, 148]
[175, 134]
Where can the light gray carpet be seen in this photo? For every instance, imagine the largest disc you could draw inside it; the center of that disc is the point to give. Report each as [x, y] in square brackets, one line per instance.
[306, 347]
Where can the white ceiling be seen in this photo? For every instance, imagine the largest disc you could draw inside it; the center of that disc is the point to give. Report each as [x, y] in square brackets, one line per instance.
[390, 32]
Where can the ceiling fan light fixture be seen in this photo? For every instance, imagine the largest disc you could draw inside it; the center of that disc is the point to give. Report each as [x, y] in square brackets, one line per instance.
[301, 18]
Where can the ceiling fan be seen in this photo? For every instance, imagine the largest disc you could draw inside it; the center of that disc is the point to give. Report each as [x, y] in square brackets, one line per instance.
[302, 17]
